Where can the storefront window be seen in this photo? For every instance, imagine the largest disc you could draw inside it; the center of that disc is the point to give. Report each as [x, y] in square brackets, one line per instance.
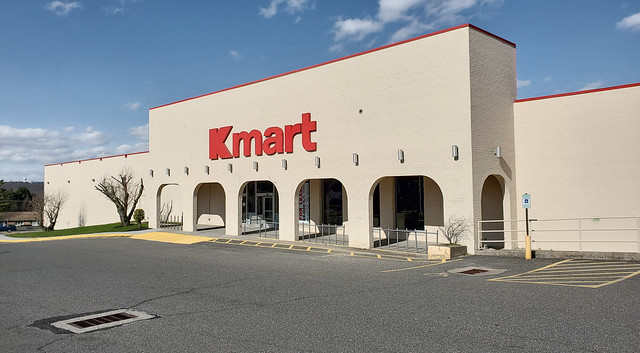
[409, 203]
[332, 201]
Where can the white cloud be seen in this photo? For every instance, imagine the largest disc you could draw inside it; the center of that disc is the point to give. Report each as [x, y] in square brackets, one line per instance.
[547, 79]
[235, 55]
[410, 30]
[91, 137]
[355, 29]
[631, 23]
[132, 105]
[62, 8]
[413, 16]
[42, 146]
[523, 83]
[141, 132]
[337, 48]
[113, 10]
[592, 85]
[123, 149]
[120, 8]
[292, 7]
[24, 151]
[395, 10]
[271, 10]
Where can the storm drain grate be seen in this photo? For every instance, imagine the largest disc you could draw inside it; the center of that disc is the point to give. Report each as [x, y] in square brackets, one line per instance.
[101, 321]
[473, 271]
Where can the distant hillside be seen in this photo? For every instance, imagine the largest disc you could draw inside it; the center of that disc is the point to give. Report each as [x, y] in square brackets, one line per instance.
[36, 188]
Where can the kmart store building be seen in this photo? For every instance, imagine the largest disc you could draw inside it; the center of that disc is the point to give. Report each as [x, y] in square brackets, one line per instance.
[382, 148]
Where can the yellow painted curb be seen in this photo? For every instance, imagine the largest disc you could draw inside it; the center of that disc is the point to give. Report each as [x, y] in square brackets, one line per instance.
[64, 237]
[170, 238]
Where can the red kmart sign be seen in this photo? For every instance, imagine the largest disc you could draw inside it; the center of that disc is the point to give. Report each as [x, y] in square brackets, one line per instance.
[273, 140]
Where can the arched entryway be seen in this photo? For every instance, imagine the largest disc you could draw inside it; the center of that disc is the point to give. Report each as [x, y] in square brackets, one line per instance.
[210, 212]
[260, 208]
[169, 206]
[492, 210]
[322, 211]
[404, 207]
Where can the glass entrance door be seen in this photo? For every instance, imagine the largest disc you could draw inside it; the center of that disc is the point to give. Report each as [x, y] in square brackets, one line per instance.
[267, 208]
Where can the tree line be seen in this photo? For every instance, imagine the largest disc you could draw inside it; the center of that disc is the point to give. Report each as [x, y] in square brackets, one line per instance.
[15, 201]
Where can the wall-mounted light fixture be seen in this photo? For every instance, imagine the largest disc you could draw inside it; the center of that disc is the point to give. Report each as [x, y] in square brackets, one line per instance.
[284, 164]
[401, 156]
[167, 172]
[230, 168]
[186, 170]
[206, 169]
[255, 166]
[356, 160]
[454, 152]
[497, 151]
[151, 173]
[318, 162]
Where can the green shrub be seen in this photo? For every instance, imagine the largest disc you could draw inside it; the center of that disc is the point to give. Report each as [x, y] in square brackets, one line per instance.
[138, 216]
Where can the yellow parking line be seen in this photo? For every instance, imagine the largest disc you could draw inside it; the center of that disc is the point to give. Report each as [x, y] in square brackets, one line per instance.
[421, 266]
[577, 275]
[583, 273]
[296, 247]
[619, 279]
[575, 268]
[562, 278]
[577, 264]
[592, 269]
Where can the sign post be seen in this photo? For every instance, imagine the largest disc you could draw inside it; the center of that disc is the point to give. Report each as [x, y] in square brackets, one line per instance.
[526, 204]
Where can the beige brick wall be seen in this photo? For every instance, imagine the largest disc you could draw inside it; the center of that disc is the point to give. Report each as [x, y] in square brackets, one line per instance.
[413, 97]
[493, 89]
[579, 155]
[78, 180]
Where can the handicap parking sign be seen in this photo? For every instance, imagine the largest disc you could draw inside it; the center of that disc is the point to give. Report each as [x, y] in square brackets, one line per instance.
[526, 201]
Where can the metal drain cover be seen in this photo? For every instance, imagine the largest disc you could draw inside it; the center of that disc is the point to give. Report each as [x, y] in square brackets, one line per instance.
[476, 271]
[101, 321]
[473, 271]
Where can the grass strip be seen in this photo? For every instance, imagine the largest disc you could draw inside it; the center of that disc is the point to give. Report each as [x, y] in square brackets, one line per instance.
[102, 228]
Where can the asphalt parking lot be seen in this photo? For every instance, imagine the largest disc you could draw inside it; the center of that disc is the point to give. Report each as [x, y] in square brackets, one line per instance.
[221, 297]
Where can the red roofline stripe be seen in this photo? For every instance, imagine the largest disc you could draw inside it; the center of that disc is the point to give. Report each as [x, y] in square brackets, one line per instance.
[343, 58]
[577, 92]
[98, 158]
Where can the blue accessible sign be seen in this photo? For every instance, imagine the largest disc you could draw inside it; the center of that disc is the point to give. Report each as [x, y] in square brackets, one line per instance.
[526, 201]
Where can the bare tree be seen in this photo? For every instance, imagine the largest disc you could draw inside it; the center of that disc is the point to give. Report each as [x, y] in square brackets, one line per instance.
[455, 229]
[124, 192]
[82, 217]
[165, 211]
[48, 208]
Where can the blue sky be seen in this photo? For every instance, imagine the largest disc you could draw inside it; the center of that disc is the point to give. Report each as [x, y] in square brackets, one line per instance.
[77, 77]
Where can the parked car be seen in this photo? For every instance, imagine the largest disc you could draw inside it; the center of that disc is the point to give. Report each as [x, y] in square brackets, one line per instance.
[7, 229]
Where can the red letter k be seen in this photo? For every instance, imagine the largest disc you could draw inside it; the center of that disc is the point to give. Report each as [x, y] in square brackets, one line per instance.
[217, 148]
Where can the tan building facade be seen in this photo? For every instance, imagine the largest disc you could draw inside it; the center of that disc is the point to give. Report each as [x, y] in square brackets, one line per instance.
[400, 137]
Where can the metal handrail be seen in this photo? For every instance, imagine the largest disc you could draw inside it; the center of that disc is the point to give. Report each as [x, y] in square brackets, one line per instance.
[312, 232]
[580, 228]
[394, 243]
